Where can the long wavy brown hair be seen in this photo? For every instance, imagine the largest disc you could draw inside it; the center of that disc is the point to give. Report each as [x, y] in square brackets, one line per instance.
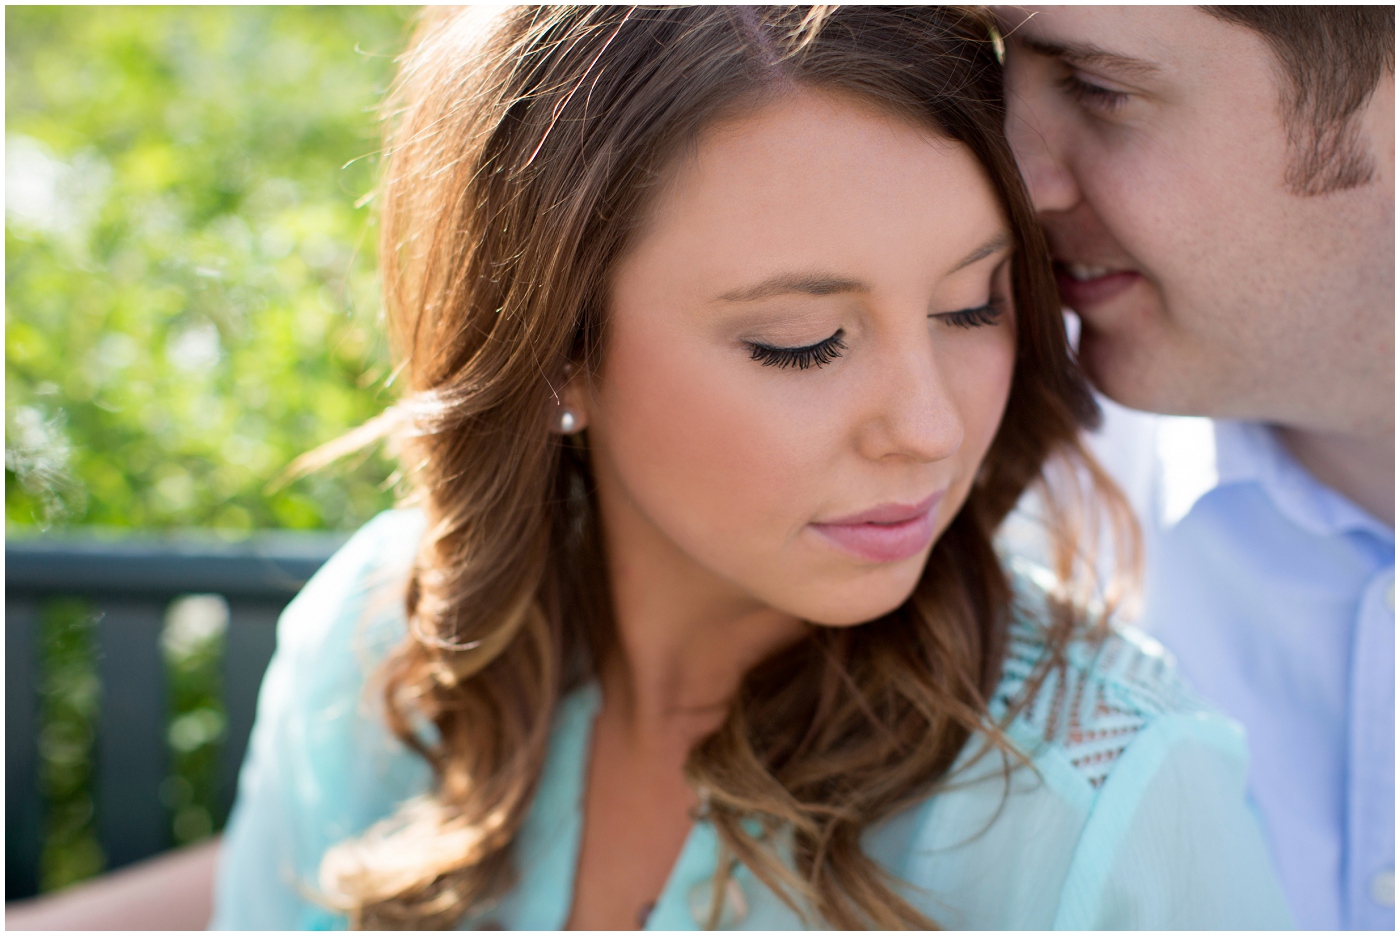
[525, 146]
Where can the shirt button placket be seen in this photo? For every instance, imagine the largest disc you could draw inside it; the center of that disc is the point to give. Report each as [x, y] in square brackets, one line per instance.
[1372, 785]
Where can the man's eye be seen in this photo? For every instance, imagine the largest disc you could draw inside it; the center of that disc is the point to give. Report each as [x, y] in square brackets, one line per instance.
[813, 355]
[1092, 96]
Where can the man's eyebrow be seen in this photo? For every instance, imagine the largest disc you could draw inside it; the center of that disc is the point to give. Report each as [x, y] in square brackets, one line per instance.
[810, 284]
[996, 245]
[1090, 55]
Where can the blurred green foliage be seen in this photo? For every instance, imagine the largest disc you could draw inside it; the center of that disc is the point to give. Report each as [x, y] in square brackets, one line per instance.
[191, 302]
[68, 703]
[193, 644]
[190, 284]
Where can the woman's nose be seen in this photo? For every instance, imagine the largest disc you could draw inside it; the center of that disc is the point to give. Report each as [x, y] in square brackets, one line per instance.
[914, 414]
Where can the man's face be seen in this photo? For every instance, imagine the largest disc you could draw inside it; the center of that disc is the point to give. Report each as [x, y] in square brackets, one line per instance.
[1153, 143]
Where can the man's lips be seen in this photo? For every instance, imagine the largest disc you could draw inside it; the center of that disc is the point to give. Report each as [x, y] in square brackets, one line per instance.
[1083, 286]
[886, 533]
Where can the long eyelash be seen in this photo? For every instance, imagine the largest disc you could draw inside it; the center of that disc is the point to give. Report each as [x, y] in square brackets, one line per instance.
[815, 355]
[1092, 95]
[988, 314]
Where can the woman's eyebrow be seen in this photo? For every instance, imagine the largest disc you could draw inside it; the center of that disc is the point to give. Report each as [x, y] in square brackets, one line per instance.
[810, 284]
[818, 284]
[996, 245]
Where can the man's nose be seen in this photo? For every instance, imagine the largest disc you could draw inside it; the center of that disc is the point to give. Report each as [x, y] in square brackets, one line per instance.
[1035, 129]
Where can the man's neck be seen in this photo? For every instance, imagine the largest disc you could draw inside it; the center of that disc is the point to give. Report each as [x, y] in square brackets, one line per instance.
[1362, 470]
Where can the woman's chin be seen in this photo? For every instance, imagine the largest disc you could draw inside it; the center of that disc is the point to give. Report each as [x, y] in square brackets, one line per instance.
[862, 599]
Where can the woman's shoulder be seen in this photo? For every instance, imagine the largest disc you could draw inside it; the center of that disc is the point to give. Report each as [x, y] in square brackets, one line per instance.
[1122, 797]
[361, 584]
[1111, 690]
[343, 623]
[321, 765]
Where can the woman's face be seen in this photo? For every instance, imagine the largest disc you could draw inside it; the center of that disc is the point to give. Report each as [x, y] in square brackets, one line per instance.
[809, 349]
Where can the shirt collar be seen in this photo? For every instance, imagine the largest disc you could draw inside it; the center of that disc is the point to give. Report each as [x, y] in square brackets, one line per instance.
[1197, 455]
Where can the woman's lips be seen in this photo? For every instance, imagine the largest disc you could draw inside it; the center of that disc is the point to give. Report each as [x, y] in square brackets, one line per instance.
[1081, 294]
[886, 533]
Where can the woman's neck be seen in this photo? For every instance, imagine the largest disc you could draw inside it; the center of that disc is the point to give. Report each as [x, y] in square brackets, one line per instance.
[671, 679]
[684, 637]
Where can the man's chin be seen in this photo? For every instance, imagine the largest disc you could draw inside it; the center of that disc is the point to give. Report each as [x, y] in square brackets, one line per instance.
[1126, 377]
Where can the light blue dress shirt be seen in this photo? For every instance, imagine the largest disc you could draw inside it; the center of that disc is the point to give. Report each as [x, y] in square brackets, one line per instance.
[1133, 813]
[1277, 597]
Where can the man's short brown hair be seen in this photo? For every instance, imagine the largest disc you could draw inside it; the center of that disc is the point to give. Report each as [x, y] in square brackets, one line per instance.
[1332, 58]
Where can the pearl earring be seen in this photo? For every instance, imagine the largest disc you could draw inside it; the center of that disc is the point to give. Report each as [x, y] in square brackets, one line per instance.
[568, 422]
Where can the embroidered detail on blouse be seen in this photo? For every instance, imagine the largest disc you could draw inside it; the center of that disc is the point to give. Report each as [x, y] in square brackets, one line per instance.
[1104, 695]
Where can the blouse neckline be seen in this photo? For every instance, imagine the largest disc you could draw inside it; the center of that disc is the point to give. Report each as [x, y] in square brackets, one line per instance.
[552, 836]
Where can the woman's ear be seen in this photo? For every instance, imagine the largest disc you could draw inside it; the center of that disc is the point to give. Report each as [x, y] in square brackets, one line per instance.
[570, 403]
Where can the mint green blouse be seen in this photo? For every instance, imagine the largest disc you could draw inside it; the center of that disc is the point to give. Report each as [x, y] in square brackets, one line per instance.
[1132, 815]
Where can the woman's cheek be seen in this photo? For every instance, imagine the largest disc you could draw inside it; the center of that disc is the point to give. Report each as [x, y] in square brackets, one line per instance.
[986, 380]
[715, 461]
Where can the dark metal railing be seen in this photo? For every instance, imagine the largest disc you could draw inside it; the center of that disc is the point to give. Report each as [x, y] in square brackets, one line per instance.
[130, 581]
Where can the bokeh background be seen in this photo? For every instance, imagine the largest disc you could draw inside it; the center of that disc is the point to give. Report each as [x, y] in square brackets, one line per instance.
[191, 302]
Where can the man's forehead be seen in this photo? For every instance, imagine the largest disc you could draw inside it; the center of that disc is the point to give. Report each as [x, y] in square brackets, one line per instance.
[1135, 41]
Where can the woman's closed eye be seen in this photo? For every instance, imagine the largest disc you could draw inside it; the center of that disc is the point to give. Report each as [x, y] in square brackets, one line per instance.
[976, 317]
[812, 355]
